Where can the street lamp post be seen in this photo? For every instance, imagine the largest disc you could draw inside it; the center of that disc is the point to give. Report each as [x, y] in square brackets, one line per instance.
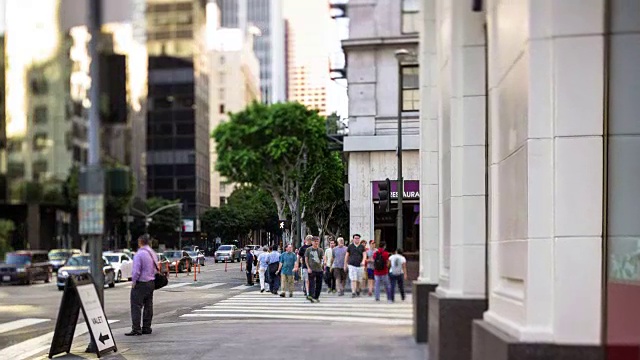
[148, 217]
[400, 55]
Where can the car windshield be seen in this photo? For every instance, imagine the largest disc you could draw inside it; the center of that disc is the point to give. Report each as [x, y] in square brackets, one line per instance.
[113, 258]
[79, 261]
[59, 255]
[224, 248]
[15, 259]
[192, 253]
[173, 254]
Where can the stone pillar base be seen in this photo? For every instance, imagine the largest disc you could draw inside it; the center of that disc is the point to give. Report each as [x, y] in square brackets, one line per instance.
[450, 326]
[421, 293]
[490, 343]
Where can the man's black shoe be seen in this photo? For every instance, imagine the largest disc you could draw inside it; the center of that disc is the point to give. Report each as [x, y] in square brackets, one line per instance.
[261, 291]
[133, 333]
[146, 331]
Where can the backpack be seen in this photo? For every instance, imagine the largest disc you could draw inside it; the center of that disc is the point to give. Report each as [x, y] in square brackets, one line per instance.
[378, 261]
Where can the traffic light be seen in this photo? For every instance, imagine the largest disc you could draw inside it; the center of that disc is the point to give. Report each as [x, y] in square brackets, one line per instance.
[384, 189]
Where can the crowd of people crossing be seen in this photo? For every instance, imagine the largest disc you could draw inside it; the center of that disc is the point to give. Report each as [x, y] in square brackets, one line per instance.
[368, 266]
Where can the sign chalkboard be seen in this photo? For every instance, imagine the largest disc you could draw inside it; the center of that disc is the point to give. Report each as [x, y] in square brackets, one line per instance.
[80, 293]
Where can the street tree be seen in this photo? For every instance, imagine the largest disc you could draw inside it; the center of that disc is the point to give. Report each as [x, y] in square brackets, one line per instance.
[166, 221]
[6, 229]
[270, 146]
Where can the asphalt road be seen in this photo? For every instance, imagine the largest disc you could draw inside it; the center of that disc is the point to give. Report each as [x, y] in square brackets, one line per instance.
[40, 302]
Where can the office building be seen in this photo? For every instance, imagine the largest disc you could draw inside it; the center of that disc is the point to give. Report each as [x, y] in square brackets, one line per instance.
[235, 75]
[528, 157]
[269, 47]
[178, 117]
[376, 30]
[308, 52]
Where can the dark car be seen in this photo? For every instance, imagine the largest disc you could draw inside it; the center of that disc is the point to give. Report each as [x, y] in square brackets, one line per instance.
[25, 267]
[57, 257]
[178, 258]
[81, 264]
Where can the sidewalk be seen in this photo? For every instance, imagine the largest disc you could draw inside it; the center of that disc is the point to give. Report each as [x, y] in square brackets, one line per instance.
[267, 340]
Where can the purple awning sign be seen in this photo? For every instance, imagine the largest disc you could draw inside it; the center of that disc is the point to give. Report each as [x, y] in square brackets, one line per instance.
[411, 189]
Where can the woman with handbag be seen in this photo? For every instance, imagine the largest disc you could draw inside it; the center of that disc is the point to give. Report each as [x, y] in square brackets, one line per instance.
[143, 280]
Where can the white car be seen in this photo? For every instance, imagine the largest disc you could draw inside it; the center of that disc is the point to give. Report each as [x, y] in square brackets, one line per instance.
[122, 265]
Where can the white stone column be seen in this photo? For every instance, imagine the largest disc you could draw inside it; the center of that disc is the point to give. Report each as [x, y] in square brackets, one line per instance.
[546, 119]
[463, 158]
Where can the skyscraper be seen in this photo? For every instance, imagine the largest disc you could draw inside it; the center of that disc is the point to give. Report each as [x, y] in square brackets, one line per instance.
[269, 47]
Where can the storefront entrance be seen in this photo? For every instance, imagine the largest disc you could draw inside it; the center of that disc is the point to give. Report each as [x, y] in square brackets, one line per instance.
[385, 228]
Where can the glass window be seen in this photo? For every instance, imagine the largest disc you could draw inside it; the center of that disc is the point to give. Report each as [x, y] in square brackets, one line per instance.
[410, 12]
[40, 115]
[222, 109]
[40, 141]
[410, 88]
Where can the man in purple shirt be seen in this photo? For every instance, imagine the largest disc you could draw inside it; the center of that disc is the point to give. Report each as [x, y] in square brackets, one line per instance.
[144, 270]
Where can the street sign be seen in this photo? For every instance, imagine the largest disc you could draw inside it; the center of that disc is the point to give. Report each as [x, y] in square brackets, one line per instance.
[80, 293]
[91, 214]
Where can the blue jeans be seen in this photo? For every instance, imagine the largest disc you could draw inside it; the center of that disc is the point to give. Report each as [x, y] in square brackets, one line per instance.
[397, 279]
[387, 286]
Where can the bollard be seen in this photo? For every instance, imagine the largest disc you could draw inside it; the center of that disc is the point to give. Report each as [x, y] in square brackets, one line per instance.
[199, 268]
[50, 272]
[168, 271]
[188, 268]
[225, 266]
[241, 262]
[177, 262]
[195, 278]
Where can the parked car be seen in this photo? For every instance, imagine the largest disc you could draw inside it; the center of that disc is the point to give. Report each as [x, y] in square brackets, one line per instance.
[179, 257]
[25, 267]
[227, 253]
[81, 264]
[255, 249]
[191, 248]
[122, 265]
[57, 257]
[163, 263]
[196, 257]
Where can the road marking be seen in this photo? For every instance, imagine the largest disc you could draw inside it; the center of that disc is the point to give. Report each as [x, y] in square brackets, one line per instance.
[359, 319]
[210, 286]
[241, 287]
[301, 311]
[14, 325]
[373, 307]
[176, 285]
[37, 345]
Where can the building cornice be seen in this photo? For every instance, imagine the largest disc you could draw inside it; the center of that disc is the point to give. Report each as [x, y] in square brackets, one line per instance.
[404, 40]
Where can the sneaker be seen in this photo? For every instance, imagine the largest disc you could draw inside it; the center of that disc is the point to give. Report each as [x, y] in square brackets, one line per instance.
[353, 295]
[334, 291]
[290, 294]
[261, 291]
[341, 293]
[389, 301]
[370, 293]
[282, 295]
[378, 300]
[309, 298]
[358, 293]
[316, 300]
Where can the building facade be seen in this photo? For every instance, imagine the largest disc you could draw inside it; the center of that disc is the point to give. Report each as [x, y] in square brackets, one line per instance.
[528, 140]
[235, 79]
[375, 77]
[178, 118]
[269, 47]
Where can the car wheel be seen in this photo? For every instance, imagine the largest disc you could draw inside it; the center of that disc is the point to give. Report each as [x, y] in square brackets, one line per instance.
[119, 277]
[60, 288]
[112, 283]
[216, 261]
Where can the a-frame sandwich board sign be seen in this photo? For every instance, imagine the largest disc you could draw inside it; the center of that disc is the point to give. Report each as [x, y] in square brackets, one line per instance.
[80, 293]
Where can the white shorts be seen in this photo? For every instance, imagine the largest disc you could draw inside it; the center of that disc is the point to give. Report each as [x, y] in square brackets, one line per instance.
[356, 273]
[305, 274]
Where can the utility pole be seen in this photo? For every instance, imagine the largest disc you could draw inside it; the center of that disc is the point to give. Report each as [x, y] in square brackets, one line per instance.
[94, 171]
[400, 55]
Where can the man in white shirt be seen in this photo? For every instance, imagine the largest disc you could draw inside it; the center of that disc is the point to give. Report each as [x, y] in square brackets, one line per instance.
[397, 273]
[328, 266]
[263, 265]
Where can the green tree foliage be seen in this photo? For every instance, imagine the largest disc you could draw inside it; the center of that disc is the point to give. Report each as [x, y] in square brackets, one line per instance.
[166, 221]
[6, 229]
[268, 146]
[248, 208]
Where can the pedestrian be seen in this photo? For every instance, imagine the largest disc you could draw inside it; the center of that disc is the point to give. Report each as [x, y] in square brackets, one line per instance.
[328, 263]
[339, 274]
[263, 265]
[314, 260]
[287, 262]
[370, 276]
[397, 273]
[142, 287]
[302, 264]
[249, 268]
[381, 271]
[355, 260]
[274, 265]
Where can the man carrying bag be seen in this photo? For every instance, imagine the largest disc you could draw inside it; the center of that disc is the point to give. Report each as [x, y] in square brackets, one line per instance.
[145, 272]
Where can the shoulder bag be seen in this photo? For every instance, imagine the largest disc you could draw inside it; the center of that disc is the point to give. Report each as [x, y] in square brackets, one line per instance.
[159, 280]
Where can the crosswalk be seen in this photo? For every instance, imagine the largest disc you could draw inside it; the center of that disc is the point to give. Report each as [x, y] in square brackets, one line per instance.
[187, 286]
[331, 308]
[41, 328]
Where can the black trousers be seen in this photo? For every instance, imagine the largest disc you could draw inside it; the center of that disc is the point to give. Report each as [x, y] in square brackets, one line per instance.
[330, 279]
[249, 274]
[397, 279]
[315, 284]
[142, 297]
[273, 279]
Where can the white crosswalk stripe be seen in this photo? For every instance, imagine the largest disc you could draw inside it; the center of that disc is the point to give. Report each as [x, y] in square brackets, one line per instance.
[19, 324]
[256, 305]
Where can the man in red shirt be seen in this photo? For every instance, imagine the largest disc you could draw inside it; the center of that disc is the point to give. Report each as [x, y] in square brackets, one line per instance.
[381, 271]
